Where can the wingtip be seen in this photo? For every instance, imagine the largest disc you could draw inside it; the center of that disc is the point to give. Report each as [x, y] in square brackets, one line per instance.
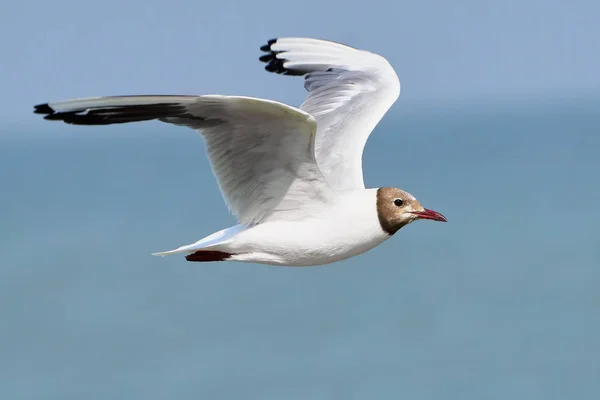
[274, 64]
[267, 47]
[43, 109]
[271, 55]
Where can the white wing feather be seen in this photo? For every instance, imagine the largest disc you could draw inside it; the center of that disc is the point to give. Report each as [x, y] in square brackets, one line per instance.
[350, 90]
[261, 151]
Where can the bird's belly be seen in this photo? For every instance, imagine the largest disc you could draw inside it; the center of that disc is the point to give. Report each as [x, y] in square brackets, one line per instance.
[303, 244]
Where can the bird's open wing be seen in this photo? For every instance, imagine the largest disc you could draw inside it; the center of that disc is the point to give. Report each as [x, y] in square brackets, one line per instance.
[262, 152]
[350, 90]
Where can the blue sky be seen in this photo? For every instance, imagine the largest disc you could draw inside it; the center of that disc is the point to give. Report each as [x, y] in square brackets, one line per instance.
[500, 303]
[444, 51]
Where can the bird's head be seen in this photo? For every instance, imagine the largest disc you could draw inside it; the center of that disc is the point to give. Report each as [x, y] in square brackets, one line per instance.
[396, 208]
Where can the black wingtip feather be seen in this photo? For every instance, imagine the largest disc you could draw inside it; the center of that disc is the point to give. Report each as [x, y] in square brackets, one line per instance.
[43, 109]
[267, 47]
[275, 64]
[115, 115]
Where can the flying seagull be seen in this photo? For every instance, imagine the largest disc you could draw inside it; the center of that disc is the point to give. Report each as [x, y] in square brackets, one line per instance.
[292, 176]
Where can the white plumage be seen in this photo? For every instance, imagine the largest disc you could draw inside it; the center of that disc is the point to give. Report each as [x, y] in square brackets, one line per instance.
[292, 176]
[350, 91]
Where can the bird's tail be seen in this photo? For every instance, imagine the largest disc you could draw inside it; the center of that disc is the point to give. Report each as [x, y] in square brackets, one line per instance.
[211, 248]
[198, 255]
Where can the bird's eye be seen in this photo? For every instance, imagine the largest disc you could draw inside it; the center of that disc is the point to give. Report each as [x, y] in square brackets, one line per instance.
[398, 202]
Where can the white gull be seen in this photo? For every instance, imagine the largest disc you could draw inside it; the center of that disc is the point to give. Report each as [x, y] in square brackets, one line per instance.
[293, 177]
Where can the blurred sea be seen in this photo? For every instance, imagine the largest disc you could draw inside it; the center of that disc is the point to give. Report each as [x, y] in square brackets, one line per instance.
[502, 302]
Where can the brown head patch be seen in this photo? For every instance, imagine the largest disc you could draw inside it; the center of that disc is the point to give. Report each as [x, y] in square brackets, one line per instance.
[394, 208]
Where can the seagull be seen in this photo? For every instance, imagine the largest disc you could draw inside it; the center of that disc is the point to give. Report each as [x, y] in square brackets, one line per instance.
[292, 176]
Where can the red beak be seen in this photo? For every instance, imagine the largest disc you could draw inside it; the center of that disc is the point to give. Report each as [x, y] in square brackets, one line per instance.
[430, 214]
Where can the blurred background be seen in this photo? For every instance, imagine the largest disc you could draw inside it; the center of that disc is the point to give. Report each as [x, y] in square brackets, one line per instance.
[497, 127]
